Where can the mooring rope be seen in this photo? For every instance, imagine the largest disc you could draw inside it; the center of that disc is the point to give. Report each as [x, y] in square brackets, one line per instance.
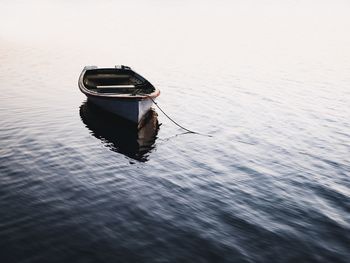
[182, 127]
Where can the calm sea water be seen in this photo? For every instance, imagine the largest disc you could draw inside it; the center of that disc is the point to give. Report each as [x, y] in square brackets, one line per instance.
[269, 80]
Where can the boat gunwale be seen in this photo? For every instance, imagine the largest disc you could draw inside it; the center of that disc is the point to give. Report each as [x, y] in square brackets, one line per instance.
[88, 92]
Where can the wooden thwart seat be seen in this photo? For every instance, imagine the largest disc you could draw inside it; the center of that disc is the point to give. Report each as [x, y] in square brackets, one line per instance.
[116, 87]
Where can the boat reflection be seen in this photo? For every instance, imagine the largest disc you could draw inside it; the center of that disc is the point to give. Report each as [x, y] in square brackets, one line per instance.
[120, 135]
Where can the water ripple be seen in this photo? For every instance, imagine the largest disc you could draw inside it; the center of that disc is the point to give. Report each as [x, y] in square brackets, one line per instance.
[271, 185]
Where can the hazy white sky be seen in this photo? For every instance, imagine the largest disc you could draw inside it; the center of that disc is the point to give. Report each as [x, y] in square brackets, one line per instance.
[218, 30]
[39, 18]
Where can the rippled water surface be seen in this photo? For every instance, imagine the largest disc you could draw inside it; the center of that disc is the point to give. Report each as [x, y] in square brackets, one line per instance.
[269, 80]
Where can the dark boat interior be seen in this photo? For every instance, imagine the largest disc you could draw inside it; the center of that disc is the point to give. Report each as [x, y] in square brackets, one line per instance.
[116, 81]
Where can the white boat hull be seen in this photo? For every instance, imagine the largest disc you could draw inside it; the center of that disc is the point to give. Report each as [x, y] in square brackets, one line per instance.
[132, 110]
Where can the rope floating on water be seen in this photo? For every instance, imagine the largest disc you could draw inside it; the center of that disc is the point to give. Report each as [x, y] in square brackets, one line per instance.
[182, 127]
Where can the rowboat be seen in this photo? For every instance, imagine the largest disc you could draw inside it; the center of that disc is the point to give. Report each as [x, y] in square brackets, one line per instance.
[119, 90]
